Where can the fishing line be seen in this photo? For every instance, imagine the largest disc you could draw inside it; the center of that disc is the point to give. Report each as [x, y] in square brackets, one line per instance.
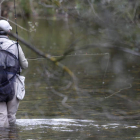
[96, 54]
[106, 68]
[130, 86]
[33, 59]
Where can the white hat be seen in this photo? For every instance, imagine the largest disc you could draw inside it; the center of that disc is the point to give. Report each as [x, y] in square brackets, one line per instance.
[4, 25]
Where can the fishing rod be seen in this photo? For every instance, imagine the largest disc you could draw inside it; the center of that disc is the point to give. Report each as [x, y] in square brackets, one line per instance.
[16, 22]
[16, 32]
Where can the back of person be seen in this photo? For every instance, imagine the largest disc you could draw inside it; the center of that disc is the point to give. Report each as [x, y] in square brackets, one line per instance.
[9, 108]
[9, 67]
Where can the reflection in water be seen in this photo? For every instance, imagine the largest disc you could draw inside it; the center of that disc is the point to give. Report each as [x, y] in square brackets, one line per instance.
[8, 133]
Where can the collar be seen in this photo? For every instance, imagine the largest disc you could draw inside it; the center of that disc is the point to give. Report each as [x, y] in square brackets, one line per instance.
[4, 36]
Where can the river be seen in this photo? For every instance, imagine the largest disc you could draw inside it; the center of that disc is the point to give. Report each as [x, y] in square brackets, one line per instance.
[106, 103]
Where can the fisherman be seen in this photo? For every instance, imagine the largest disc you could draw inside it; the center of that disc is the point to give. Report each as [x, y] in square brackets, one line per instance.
[8, 109]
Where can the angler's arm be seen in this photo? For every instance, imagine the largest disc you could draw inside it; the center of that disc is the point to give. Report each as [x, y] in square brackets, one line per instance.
[22, 59]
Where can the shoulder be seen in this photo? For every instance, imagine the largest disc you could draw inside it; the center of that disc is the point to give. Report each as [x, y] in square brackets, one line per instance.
[8, 41]
[11, 41]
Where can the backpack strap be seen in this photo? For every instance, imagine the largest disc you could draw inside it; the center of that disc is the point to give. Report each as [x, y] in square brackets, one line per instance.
[18, 53]
[0, 45]
[10, 46]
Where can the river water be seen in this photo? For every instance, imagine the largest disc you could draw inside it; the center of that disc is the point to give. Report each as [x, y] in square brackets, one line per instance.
[67, 129]
[106, 104]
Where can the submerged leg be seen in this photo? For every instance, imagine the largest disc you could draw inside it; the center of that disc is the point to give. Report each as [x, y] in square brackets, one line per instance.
[12, 107]
[3, 115]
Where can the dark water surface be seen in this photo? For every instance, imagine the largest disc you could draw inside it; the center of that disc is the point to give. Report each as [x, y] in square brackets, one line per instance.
[106, 104]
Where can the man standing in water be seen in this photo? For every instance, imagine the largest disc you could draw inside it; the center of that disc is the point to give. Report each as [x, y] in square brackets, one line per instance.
[8, 109]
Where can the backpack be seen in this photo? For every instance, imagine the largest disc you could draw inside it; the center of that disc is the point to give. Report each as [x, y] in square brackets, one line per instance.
[9, 67]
